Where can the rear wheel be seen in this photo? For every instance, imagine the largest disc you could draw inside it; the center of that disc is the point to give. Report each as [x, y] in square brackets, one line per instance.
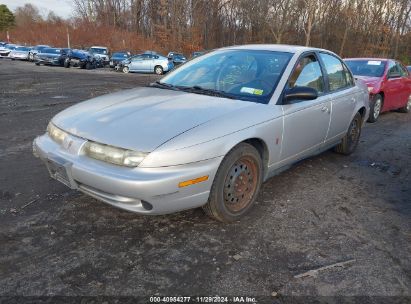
[375, 108]
[236, 184]
[158, 70]
[407, 107]
[67, 63]
[88, 66]
[37, 63]
[350, 141]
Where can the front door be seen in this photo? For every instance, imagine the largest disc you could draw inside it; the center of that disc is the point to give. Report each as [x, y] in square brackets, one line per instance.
[306, 122]
[393, 88]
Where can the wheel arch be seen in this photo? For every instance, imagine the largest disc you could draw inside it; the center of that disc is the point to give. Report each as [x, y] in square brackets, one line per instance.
[262, 149]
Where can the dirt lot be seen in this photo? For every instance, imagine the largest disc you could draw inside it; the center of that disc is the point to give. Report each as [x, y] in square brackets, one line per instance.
[325, 210]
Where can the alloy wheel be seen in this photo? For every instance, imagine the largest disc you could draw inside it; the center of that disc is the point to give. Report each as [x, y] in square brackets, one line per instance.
[377, 108]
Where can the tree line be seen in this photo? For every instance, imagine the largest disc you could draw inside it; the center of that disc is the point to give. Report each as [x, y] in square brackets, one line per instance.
[380, 28]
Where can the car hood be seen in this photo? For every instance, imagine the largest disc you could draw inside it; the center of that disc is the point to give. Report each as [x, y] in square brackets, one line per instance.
[142, 119]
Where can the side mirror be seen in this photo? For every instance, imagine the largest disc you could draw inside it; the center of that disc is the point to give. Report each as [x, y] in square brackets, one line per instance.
[299, 93]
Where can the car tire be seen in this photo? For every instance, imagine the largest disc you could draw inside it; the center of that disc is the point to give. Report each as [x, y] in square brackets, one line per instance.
[37, 63]
[88, 66]
[375, 108]
[126, 69]
[231, 196]
[158, 70]
[407, 107]
[350, 141]
[66, 63]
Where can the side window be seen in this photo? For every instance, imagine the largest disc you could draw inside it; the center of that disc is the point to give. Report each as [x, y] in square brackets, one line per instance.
[393, 71]
[337, 77]
[307, 73]
[137, 58]
[403, 71]
[348, 76]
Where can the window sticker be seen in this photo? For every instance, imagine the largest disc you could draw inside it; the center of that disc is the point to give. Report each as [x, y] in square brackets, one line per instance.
[251, 91]
[374, 62]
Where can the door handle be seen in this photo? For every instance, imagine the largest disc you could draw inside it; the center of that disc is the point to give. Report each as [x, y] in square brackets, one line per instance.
[323, 109]
[353, 100]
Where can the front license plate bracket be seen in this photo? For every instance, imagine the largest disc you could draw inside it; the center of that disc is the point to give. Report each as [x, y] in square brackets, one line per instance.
[59, 170]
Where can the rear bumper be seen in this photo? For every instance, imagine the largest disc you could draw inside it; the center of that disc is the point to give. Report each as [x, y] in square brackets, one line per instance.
[140, 190]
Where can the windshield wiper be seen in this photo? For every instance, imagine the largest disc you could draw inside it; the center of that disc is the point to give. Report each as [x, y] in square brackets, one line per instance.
[163, 85]
[211, 92]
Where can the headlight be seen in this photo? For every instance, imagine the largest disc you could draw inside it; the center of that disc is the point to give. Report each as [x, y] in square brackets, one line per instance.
[114, 155]
[370, 89]
[56, 134]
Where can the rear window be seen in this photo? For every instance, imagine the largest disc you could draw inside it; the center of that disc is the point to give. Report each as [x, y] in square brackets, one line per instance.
[370, 68]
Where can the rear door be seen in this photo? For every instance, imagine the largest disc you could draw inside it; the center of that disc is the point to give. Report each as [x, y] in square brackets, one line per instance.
[393, 87]
[136, 64]
[406, 85]
[343, 94]
[305, 121]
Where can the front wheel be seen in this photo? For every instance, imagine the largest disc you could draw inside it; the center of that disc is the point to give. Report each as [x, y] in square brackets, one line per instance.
[407, 107]
[350, 141]
[375, 108]
[126, 69]
[158, 70]
[236, 184]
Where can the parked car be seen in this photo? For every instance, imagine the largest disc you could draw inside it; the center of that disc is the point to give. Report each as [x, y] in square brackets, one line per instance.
[4, 52]
[388, 81]
[409, 68]
[35, 50]
[80, 58]
[100, 52]
[209, 133]
[6, 49]
[147, 63]
[118, 57]
[51, 56]
[20, 53]
[2, 43]
[177, 58]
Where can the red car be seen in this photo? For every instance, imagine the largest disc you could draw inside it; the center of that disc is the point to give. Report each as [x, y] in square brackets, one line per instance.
[388, 81]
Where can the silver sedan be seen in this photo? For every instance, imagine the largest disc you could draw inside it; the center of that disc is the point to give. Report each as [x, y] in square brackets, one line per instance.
[209, 133]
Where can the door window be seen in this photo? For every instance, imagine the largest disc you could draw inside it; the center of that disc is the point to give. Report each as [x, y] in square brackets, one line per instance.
[337, 75]
[307, 73]
[393, 71]
[403, 71]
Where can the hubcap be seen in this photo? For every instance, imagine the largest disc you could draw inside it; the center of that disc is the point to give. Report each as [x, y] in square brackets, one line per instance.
[409, 104]
[240, 184]
[158, 71]
[377, 107]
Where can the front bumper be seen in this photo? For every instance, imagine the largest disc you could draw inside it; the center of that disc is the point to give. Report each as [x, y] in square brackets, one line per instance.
[140, 190]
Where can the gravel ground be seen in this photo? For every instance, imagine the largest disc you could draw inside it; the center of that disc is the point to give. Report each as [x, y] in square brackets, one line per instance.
[325, 210]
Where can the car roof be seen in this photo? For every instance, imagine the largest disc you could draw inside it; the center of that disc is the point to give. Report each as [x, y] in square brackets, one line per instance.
[368, 58]
[275, 47]
[100, 47]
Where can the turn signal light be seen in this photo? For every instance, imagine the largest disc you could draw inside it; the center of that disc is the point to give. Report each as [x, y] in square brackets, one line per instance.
[193, 181]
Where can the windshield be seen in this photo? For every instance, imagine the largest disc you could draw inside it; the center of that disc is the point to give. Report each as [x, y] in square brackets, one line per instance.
[370, 68]
[50, 51]
[99, 50]
[22, 48]
[119, 55]
[241, 74]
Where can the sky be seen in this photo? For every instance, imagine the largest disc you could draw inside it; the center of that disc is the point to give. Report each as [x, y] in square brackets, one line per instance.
[62, 8]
